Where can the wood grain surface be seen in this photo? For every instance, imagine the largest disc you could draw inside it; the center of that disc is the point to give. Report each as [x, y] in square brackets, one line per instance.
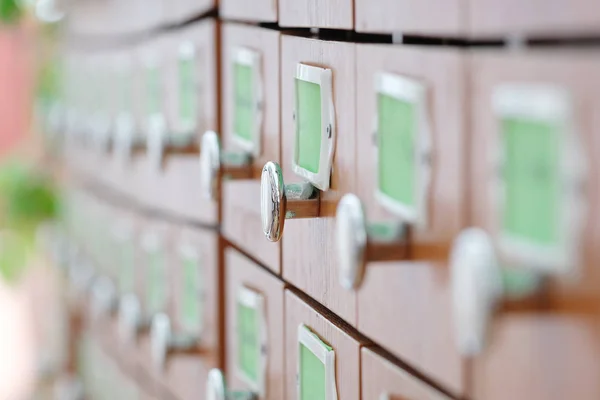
[241, 198]
[241, 272]
[534, 355]
[414, 297]
[309, 257]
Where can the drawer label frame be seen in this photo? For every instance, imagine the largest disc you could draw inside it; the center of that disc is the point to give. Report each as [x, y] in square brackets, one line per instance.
[310, 344]
[392, 88]
[191, 305]
[306, 80]
[549, 105]
[244, 61]
[189, 88]
[254, 301]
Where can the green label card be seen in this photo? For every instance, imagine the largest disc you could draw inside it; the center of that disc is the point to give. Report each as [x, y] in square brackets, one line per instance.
[188, 94]
[248, 326]
[244, 101]
[396, 136]
[532, 180]
[308, 125]
[157, 281]
[192, 304]
[153, 90]
[126, 266]
[125, 92]
[312, 379]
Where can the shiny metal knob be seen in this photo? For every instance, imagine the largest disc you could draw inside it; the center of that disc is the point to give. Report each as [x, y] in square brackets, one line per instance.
[216, 388]
[164, 342]
[279, 202]
[81, 275]
[476, 288]
[68, 388]
[214, 163]
[131, 320]
[126, 141]
[359, 243]
[156, 140]
[104, 297]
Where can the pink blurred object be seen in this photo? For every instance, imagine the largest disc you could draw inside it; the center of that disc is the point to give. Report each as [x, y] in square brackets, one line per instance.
[15, 85]
[17, 343]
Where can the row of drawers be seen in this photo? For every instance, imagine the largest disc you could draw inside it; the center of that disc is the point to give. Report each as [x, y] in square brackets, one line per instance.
[274, 340]
[433, 17]
[417, 294]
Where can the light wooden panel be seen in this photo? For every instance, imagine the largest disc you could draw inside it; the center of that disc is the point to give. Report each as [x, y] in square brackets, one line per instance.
[182, 173]
[380, 376]
[241, 199]
[337, 14]
[539, 17]
[346, 347]
[258, 10]
[241, 272]
[432, 17]
[309, 257]
[414, 297]
[185, 375]
[165, 232]
[540, 356]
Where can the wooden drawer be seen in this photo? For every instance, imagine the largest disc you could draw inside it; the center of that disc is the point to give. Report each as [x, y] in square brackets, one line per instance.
[103, 19]
[328, 351]
[193, 315]
[180, 171]
[523, 107]
[334, 14]
[260, 10]
[381, 379]
[255, 325]
[241, 198]
[432, 83]
[184, 10]
[430, 17]
[309, 261]
[537, 18]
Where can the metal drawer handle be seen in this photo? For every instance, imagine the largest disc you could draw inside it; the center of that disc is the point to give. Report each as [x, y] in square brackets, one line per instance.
[216, 388]
[280, 201]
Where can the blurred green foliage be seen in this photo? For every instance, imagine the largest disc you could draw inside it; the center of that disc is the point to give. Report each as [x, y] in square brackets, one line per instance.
[10, 11]
[27, 198]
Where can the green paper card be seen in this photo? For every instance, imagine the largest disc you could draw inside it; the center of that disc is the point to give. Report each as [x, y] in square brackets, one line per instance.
[125, 92]
[157, 281]
[248, 326]
[531, 174]
[192, 304]
[313, 378]
[126, 266]
[397, 130]
[188, 95]
[308, 125]
[153, 90]
[244, 101]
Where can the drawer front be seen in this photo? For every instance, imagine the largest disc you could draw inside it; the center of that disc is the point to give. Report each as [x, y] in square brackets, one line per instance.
[259, 10]
[309, 259]
[418, 300]
[241, 198]
[194, 312]
[560, 93]
[255, 328]
[555, 18]
[381, 378]
[335, 14]
[321, 359]
[181, 172]
[437, 17]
